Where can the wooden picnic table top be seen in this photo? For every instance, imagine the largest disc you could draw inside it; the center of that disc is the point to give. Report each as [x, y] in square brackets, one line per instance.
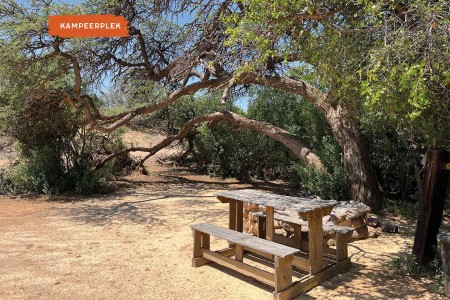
[303, 206]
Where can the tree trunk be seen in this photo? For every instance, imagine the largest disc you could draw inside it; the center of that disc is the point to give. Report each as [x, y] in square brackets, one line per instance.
[355, 151]
[356, 159]
[432, 194]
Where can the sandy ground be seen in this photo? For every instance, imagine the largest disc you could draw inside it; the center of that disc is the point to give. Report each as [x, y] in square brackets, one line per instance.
[136, 244]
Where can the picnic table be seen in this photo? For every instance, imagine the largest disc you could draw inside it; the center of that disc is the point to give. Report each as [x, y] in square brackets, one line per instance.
[284, 256]
[309, 209]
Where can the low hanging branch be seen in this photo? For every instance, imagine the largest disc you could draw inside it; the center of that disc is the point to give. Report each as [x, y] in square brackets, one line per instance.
[299, 147]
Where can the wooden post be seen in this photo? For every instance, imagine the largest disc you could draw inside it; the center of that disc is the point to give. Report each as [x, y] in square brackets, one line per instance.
[197, 250]
[239, 253]
[315, 239]
[298, 236]
[269, 223]
[342, 246]
[431, 205]
[206, 241]
[232, 216]
[239, 215]
[262, 227]
[283, 273]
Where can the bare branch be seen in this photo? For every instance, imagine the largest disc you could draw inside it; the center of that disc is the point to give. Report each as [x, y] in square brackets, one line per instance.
[291, 141]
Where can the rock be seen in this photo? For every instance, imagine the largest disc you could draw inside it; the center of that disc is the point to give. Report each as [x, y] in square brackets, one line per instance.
[373, 222]
[389, 228]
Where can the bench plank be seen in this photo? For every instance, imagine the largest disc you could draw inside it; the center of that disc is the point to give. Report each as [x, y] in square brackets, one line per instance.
[298, 221]
[246, 240]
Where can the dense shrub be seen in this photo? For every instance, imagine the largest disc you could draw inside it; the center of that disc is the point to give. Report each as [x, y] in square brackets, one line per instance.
[222, 151]
[56, 152]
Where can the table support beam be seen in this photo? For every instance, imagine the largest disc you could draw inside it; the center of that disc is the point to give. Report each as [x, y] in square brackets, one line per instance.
[232, 216]
[269, 223]
[239, 215]
[315, 240]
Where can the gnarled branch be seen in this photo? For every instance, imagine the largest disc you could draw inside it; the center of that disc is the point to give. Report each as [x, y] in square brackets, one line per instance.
[299, 147]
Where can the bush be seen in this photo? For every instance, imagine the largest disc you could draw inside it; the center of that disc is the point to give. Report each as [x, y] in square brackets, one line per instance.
[56, 153]
[221, 151]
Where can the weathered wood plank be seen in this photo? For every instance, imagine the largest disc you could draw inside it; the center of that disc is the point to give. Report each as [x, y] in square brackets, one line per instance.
[300, 263]
[239, 216]
[283, 273]
[301, 205]
[248, 270]
[298, 221]
[246, 240]
[201, 261]
[239, 253]
[232, 215]
[270, 230]
[315, 240]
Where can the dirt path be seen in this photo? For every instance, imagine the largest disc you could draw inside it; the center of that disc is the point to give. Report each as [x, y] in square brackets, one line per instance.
[136, 244]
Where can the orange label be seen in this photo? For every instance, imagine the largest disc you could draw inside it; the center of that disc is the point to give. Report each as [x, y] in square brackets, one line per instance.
[67, 26]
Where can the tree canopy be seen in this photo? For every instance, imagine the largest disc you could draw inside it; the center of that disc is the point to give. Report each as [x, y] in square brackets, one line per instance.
[348, 59]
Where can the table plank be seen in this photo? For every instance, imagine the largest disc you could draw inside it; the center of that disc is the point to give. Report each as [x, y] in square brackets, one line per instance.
[303, 206]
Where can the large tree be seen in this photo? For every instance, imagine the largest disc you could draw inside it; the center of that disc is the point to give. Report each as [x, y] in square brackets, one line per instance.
[314, 49]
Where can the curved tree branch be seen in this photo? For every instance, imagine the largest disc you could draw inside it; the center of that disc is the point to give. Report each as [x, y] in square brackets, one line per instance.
[299, 147]
[311, 94]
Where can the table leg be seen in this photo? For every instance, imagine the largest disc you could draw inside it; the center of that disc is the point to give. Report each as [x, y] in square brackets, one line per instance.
[239, 215]
[269, 223]
[315, 239]
[232, 216]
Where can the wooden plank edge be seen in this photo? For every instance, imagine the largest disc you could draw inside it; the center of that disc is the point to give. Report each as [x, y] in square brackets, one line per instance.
[223, 199]
[261, 275]
[201, 261]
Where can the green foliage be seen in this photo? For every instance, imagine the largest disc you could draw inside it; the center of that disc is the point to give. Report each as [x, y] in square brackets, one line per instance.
[56, 152]
[395, 149]
[318, 183]
[407, 72]
[222, 151]
[406, 210]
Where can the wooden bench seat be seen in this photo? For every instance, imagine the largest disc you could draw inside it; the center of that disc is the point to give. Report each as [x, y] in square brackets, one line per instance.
[283, 255]
[326, 227]
[342, 234]
[246, 240]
